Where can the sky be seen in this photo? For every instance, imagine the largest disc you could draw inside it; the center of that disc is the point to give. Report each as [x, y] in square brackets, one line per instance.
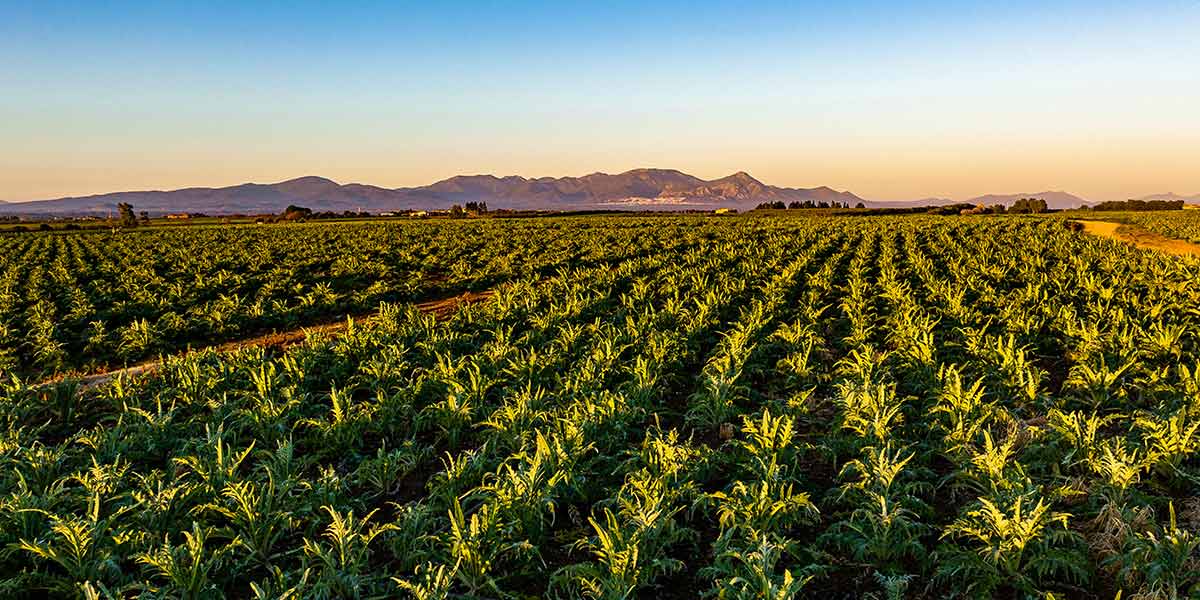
[889, 100]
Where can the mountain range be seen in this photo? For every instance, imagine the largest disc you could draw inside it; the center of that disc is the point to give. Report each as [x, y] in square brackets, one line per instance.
[639, 189]
[1172, 197]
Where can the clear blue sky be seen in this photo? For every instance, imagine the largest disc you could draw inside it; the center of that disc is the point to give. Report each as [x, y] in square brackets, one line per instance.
[888, 101]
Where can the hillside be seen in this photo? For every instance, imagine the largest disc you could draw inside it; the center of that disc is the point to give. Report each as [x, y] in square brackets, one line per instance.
[639, 189]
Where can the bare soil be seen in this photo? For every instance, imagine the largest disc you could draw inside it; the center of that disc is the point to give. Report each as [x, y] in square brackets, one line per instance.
[441, 308]
[1139, 237]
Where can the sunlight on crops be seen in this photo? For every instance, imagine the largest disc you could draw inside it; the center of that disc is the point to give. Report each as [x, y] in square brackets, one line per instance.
[904, 407]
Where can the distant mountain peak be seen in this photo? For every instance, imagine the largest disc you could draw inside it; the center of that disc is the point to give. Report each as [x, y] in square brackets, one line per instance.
[309, 179]
[652, 171]
[742, 177]
[308, 188]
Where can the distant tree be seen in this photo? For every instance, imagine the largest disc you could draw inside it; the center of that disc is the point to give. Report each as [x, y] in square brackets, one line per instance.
[477, 208]
[822, 204]
[296, 213]
[794, 204]
[144, 218]
[457, 212]
[860, 205]
[127, 218]
[1028, 205]
[777, 205]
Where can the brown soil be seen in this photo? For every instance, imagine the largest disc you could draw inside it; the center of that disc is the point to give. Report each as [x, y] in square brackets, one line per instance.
[447, 306]
[1139, 237]
[441, 308]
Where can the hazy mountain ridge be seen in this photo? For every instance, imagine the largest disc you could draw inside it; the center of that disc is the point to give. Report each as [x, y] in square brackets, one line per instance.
[643, 189]
[1171, 197]
[639, 189]
[932, 201]
[1054, 200]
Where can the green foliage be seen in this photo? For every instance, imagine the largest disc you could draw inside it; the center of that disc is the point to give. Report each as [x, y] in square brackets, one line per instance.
[770, 407]
[1019, 546]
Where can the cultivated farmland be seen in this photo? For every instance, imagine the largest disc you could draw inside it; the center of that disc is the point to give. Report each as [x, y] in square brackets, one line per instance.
[908, 407]
[78, 302]
[1182, 225]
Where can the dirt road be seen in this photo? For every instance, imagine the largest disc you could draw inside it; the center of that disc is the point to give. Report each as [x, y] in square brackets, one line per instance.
[1139, 237]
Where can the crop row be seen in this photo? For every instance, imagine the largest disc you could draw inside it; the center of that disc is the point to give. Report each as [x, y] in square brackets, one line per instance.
[81, 301]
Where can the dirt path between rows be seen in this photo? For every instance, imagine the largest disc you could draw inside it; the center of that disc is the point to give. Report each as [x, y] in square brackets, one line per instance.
[1139, 237]
[441, 309]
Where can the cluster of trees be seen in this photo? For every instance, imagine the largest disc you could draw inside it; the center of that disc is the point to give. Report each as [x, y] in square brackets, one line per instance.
[301, 213]
[1022, 206]
[126, 217]
[1028, 205]
[796, 204]
[473, 209]
[995, 209]
[1140, 205]
[296, 213]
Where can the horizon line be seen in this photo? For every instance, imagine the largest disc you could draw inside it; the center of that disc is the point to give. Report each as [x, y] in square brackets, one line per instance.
[932, 197]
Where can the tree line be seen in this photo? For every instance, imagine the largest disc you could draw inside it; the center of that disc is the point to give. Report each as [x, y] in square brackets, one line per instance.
[1139, 205]
[796, 204]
